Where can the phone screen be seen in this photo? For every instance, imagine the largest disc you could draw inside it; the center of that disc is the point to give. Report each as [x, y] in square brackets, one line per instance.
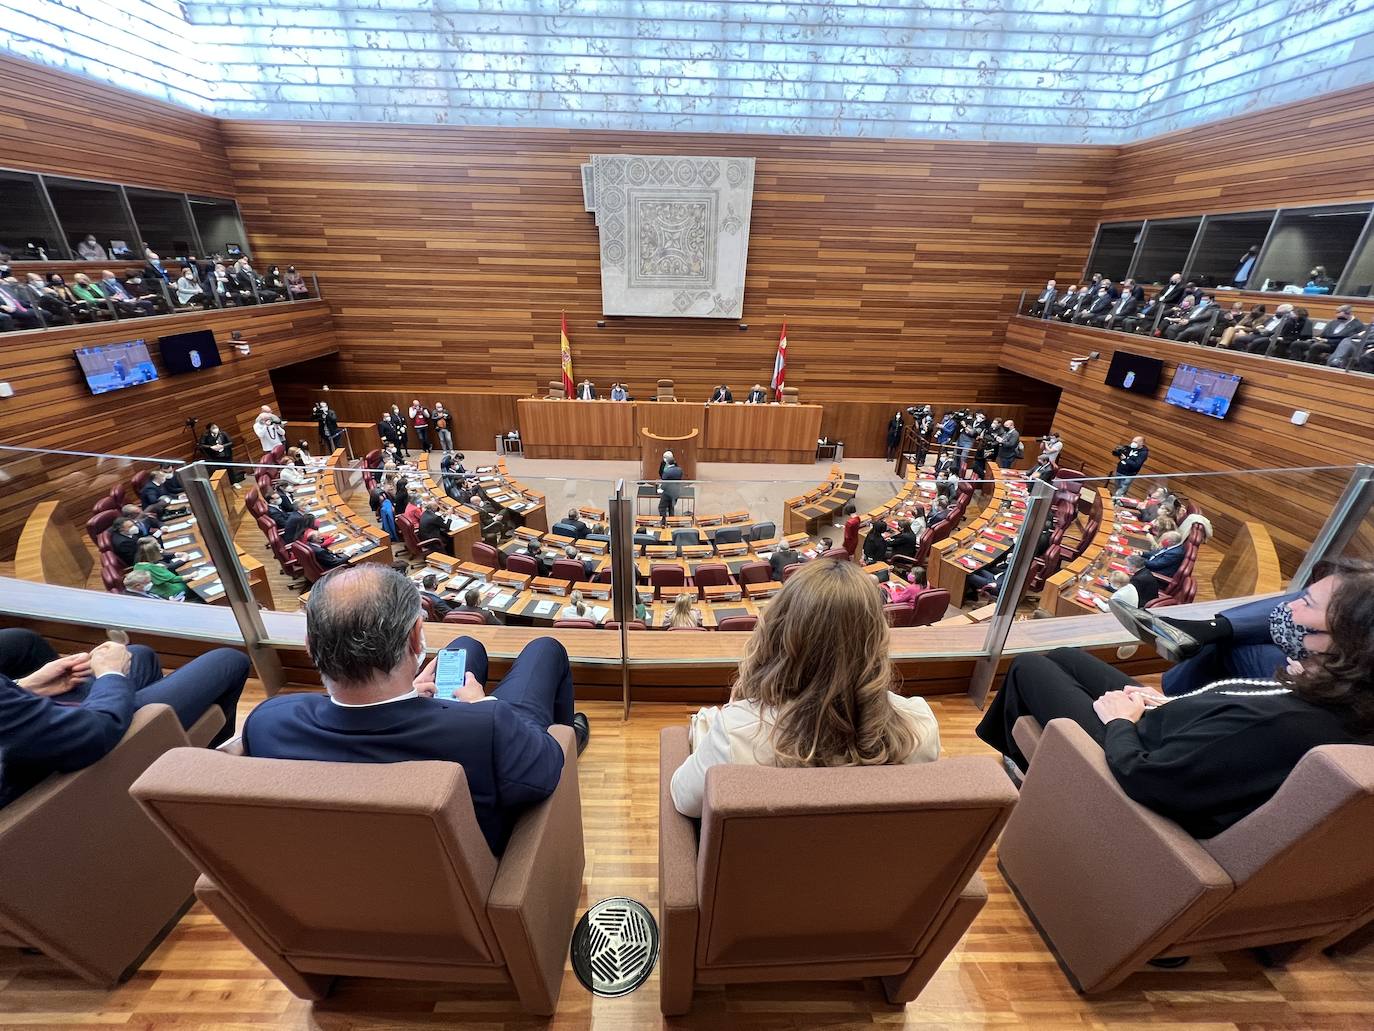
[449, 673]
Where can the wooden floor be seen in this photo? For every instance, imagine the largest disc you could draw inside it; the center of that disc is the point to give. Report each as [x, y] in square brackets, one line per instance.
[1000, 976]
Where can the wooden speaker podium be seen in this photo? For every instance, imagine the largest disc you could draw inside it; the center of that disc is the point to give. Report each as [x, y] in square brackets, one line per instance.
[683, 446]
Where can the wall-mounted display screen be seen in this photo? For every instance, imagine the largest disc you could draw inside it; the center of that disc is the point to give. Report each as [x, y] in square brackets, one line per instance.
[1203, 390]
[1134, 372]
[116, 366]
[189, 352]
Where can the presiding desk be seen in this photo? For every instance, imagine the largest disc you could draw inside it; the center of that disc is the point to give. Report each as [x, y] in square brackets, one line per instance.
[559, 428]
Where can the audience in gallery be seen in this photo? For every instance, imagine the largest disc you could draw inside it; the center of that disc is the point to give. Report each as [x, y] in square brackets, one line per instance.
[365, 631]
[808, 699]
[59, 714]
[1254, 689]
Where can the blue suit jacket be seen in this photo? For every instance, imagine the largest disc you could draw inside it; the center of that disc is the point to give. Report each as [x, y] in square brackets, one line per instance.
[509, 762]
[1166, 561]
[39, 736]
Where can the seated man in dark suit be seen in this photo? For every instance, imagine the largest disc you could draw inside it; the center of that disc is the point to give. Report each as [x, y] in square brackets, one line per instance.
[59, 714]
[124, 537]
[1196, 325]
[365, 631]
[147, 522]
[576, 527]
[1095, 311]
[782, 558]
[155, 491]
[1278, 325]
[429, 588]
[326, 559]
[472, 602]
[1338, 335]
[756, 395]
[1168, 557]
[434, 527]
[721, 395]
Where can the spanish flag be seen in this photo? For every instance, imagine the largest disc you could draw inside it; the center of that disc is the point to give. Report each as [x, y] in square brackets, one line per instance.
[567, 360]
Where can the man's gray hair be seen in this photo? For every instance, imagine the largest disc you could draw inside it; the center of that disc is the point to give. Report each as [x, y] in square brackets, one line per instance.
[358, 622]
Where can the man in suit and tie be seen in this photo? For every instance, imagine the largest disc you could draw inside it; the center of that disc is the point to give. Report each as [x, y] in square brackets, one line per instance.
[1123, 307]
[721, 395]
[1043, 304]
[153, 270]
[585, 391]
[782, 558]
[434, 527]
[1167, 559]
[1335, 343]
[757, 396]
[1080, 300]
[1193, 327]
[1096, 310]
[1173, 290]
[429, 590]
[365, 631]
[669, 475]
[14, 312]
[1282, 323]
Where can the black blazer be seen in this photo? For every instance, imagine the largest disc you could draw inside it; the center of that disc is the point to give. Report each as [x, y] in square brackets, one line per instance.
[434, 527]
[756, 397]
[722, 394]
[905, 543]
[781, 559]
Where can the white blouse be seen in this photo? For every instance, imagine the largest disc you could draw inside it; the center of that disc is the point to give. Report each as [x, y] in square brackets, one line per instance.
[738, 733]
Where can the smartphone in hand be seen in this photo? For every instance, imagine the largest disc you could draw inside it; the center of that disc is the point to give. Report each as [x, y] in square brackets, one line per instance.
[450, 672]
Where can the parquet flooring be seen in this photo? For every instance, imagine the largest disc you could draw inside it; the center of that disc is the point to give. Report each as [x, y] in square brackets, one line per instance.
[1000, 976]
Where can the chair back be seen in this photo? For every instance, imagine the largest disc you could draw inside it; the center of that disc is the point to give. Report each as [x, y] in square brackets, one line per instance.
[523, 564]
[428, 607]
[140, 479]
[899, 613]
[564, 529]
[569, 569]
[485, 555]
[112, 573]
[930, 607]
[729, 535]
[755, 573]
[557, 390]
[788, 571]
[745, 623]
[410, 534]
[686, 537]
[100, 522]
[664, 391]
[711, 575]
[789, 395]
[933, 822]
[105, 504]
[310, 568]
[666, 576]
[1301, 860]
[470, 618]
[574, 624]
[763, 531]
[269, 833]
[634, 624]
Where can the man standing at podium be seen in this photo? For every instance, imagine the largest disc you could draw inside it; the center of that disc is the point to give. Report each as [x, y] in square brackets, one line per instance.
[585, 391]
[669, 473]
[722, 396]
[756, 396]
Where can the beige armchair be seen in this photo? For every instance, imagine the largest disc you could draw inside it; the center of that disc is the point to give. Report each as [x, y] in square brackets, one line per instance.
[664, 392]
[1111, 884]
[557, 391]
[326, 869]
[822, 874]
[88, 880]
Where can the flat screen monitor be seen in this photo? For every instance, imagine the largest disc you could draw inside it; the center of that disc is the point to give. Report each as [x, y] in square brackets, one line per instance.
[189, 352]
[1134, 372]
[1203, 390]
[116, 366]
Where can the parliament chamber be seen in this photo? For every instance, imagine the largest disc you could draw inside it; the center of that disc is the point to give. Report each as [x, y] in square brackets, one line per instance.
[648, 387]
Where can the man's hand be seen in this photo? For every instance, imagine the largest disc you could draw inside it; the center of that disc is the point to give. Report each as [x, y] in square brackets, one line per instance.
[1118, 705]
[110, 657]
[471, 691]
[424, 680]
[59, 676]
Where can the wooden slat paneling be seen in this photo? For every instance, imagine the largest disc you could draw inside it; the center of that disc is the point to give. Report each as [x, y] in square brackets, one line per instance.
[1257, 434]
[449, 253]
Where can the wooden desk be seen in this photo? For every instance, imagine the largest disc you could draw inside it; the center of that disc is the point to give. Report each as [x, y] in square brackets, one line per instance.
[558, 428]
[806, 513]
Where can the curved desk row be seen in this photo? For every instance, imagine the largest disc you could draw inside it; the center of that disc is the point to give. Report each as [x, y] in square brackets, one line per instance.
[821, 504]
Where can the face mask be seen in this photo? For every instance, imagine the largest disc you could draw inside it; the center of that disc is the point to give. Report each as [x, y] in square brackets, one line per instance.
[1287, 634]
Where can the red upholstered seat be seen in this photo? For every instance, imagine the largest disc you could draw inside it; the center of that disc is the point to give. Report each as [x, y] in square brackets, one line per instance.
[411, 535]
[661, 576]
[574, 624]
[140, 479]
[472, 618]
[634, 624]
[310, 568]
[711, 575]
[567, 569]
[99, 523]
[754, 573]
[523, 564]
[105, 504]
[931, 606]
[900, 613]
[738, 623]
[485, 555]
[788, 571]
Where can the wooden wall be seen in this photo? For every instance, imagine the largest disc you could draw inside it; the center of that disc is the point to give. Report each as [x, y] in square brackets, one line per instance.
[1305, 153]
[53, 408]
[1093, 418]
[448, 254]
[69, 125]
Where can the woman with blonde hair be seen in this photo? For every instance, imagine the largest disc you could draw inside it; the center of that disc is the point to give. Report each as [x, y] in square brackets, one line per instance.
[683, 613]
[813, 688]
[576, 608]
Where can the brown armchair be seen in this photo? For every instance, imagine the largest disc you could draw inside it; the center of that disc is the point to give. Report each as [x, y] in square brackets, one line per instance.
[1111, 884]
[88, 880]
[822, 874]
[377, 870]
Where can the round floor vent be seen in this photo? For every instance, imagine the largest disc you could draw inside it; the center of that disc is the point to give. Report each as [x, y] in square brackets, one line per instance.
[614, 947]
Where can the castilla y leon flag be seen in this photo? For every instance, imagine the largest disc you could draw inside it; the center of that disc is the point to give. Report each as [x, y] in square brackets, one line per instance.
[567, 359]
[780, 363]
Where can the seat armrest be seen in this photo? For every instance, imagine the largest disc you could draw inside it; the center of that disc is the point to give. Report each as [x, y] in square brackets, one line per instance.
[678, 904]
[1110, 883]
[534, 896]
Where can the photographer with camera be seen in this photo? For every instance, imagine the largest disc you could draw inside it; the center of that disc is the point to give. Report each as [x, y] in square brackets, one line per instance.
[328, 421]
[270, 429]
[1130, 459]
[1050, 447]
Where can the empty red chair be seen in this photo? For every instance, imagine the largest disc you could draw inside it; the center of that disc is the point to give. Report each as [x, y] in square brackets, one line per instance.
[692, 629]
[711, 576]
[568, 569]
[485, 555]
[634, 624]
[118, 494]
[661, 576]
[428, 607]
[754, 573]
[930, 606]
[112, 573]
[523, 564]
[787, 571]
[99, 523]
[738, 623]
[574, 624]
[839, 553]
[900, 613]
[140, 479]
[465, 617]
[105, 504]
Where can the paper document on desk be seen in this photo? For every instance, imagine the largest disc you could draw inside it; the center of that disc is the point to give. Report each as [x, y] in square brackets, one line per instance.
[213, 590]
[599, 613]
[176, 543]
[185, 524]
[544, 608]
